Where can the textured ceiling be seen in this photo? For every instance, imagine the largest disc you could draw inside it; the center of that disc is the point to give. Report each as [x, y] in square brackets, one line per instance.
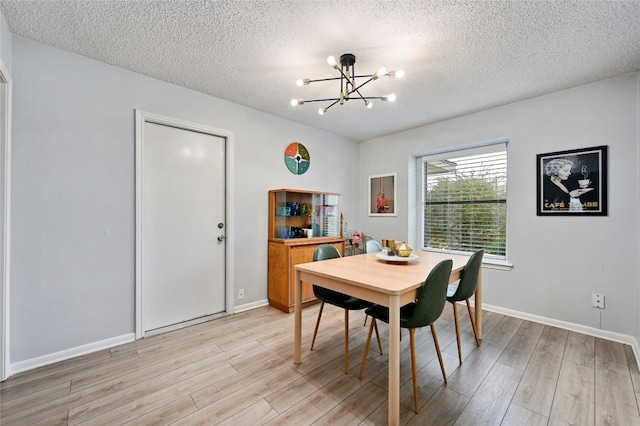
[458, 56]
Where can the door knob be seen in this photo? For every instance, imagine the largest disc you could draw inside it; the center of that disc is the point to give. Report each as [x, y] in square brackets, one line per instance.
[220, 237]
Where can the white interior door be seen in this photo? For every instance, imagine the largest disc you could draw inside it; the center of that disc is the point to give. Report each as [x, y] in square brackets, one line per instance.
[183, 216]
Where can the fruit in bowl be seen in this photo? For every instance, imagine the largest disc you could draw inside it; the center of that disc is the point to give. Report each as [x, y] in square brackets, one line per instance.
[404, 250]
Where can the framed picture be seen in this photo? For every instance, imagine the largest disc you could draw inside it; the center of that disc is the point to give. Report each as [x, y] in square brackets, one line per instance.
[382, 195]
[572, 182]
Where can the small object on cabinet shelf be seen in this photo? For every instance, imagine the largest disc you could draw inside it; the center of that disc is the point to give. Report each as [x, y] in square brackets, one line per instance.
[298, 232]
[283, 211]
[284, 232]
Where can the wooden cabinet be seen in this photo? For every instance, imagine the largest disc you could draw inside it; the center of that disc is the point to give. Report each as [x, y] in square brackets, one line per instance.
[282, 259]
[294, 234]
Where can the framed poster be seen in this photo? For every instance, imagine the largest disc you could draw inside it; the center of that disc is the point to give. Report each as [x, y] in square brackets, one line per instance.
[572, 182]
[382, 195]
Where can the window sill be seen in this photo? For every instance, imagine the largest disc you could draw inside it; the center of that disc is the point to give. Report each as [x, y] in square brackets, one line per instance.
[487, 262]
[501, 265]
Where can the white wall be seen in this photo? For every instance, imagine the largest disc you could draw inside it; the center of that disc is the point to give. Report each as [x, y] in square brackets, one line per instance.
[72, 271]
[637, 277]
[5, 147]
[5, 42]
[557, 261]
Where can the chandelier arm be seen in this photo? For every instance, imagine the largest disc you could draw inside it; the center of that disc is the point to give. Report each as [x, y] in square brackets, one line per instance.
[352, 81]
[338, 78]
[342, 75]
[358, 92]
[335, 102]
[356, 89]
[321, 100]
[324, 79]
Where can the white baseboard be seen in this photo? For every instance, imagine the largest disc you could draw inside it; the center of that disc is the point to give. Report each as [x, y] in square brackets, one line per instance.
[590, 331]
[185, 324]
[30, 364]
[252, 305]
[127, 338]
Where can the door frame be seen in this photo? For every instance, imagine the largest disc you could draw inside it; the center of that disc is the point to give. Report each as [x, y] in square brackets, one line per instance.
[143, 117]
[5, 142]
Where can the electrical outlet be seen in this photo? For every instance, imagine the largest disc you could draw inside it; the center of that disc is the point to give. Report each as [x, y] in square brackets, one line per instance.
[597, 300]
[241, 293]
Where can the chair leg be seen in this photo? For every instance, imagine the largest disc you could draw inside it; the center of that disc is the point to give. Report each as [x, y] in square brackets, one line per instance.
[365, 320]
[414, 373]
[378, 336]
[473, 323]
[366, 347]
[313, 341]
[435, 341]
[346, 341]
[455, 320]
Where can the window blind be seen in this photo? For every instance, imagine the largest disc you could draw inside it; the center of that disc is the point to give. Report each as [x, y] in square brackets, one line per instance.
[465, 201]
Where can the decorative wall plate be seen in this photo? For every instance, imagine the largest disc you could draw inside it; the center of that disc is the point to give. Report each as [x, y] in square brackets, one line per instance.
[297, 158]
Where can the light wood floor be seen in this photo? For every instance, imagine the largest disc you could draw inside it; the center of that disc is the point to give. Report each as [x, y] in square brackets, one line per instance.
[239, 371]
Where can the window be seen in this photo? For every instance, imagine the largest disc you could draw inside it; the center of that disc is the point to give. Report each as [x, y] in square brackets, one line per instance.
[465, 201]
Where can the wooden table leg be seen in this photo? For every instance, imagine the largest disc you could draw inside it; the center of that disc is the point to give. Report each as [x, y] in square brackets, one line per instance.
[394, 360]
[478, 306]
[297, 338]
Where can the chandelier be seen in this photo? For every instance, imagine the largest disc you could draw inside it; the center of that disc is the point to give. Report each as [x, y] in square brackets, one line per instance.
[349, 89]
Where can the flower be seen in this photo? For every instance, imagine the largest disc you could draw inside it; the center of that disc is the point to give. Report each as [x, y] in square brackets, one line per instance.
[356, 239]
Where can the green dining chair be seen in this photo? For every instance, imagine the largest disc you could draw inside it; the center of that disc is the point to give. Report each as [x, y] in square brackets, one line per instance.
[371, 246]
[424, 311]
[466, 288]
[344, 301]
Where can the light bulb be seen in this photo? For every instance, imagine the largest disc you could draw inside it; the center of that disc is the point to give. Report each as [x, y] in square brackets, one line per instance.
[295, 102]
[302, 82]
[396, 74]
[368, 104]
[321, 111]
[390, 98]
[382, 71]
[332, 61]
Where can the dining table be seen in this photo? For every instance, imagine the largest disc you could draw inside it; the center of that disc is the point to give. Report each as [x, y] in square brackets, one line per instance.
[385, 280]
